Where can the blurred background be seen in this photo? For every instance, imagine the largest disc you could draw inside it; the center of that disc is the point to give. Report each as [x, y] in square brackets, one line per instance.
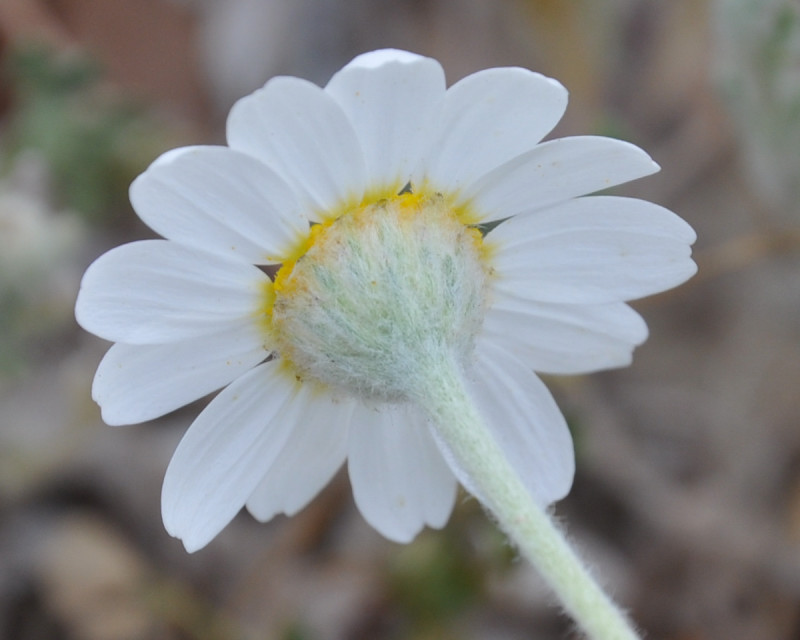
[687, 496]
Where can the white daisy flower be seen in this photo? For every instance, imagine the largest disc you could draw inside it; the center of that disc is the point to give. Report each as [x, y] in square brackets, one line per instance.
[411, 225]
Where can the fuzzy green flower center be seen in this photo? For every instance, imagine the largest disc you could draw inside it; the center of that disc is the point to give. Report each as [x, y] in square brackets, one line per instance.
[379, 291]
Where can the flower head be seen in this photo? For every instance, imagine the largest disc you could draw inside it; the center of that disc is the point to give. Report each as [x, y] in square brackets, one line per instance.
[409, 224]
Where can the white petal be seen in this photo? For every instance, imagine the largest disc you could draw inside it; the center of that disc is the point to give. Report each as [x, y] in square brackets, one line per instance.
[556, 171]
[380, 57]
[157, 291]
[314, 452]
[391, 97]
[298, 130]
[564, 338]
[225, 453]
[592, 250]
[489, 118]
[221, 201]
[525, 422]
[400, 480]
[135, 383]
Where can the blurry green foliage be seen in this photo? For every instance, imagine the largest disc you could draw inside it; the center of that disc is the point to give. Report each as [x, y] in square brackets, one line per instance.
[443, 573]
[21, 325]
[781, 45]
[12, 317]
[434, 578]
[296, 632]
[89, 137]
[758, 70]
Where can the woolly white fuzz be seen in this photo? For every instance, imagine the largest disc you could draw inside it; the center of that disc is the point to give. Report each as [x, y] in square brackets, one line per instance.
[382, 290]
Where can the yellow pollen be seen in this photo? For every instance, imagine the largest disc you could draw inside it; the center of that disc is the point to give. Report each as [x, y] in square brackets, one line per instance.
[282, 276]
[264, 313]
[411, 202]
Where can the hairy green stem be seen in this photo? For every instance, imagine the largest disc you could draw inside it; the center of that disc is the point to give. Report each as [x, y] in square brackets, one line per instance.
[531, 528]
